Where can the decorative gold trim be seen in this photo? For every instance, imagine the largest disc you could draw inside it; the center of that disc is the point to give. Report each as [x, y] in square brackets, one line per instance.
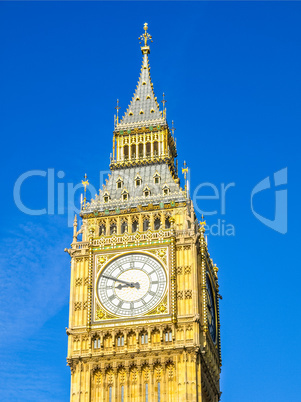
[102, 314]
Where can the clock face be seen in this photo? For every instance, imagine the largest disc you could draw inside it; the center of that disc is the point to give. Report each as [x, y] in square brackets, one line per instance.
[131, 285]
[210, 310]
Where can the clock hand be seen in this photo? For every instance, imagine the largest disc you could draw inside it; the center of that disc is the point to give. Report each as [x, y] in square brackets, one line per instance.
[130, 284]
[121, 286]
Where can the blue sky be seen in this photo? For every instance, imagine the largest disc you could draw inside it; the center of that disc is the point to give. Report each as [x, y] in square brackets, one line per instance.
[231, 75]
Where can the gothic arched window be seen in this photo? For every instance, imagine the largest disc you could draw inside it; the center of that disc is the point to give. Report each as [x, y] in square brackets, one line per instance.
[146, 192]
[126, 152]
[102, 230]
[134, 226]
[124, 195]
[168, 336]
[113, 228]
[144, 338]
[165, 190]
[124, 227]
[133, 151]
[119, 183]
[148, 149]
[140, 150]
[120, 340]
[157, 223]
[145, 225]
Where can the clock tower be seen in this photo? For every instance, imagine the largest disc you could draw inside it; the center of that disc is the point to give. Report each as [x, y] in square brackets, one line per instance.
[144, 295]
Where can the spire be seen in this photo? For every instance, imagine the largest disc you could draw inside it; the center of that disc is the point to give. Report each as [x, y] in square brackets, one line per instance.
[143, 108]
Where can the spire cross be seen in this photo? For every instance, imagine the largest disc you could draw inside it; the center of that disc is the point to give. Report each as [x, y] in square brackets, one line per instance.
[145, 37]
[117, 107]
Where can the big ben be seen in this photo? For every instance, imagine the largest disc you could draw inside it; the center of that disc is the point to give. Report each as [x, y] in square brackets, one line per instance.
[144, 295]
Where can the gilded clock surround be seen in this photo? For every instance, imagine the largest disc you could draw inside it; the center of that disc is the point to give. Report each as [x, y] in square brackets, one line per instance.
[167, 353]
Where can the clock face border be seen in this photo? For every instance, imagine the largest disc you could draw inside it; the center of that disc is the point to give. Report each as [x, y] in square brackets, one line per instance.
[213, 293]
[110, 257]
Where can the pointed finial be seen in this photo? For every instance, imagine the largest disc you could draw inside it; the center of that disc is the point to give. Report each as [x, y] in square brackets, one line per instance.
[75, 229]
[202, 230]
[173, 128]
[185, 171]
[144, 38]
[202, 222]
[117, 107]
[85, 183]
[164, 108]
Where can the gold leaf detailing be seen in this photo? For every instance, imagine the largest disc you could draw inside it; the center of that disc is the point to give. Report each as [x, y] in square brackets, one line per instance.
[100, 262]
[162, 308]
[162, 253]
[101, 314]
[101, 259]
